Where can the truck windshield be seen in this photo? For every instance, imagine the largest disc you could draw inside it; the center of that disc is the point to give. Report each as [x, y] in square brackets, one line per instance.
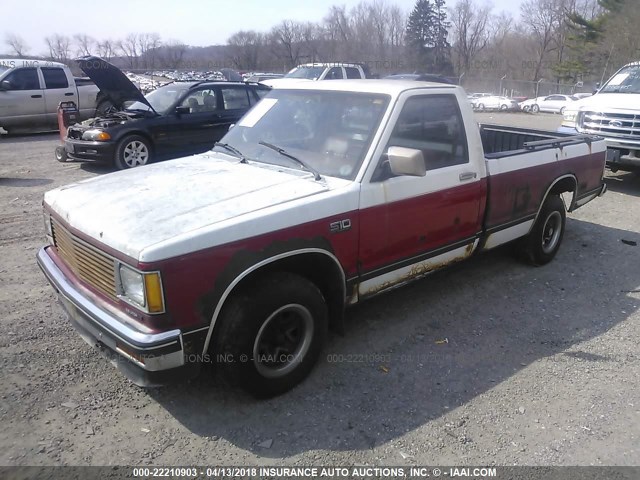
[161, 99]
[310, 73]
[329, 131]
[627, 80]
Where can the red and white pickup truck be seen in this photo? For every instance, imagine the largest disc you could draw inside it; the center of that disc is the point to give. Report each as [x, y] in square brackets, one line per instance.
[323, 195]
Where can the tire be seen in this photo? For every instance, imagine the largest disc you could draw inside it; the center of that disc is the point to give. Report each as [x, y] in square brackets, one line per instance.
[132, 151]
[271, 333]
[61, 154]
[543, 242]
[562, 110]
[503, 107]
[535, 108]
[481, 107]
[526, 108]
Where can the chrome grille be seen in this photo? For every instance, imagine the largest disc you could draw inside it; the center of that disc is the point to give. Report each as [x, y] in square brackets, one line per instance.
[90, 265]
[615, 124]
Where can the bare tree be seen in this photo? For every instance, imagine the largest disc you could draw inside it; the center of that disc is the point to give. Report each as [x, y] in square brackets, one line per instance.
[129, 48]
[286, 40]
[244, 49]
[59, 47]
[542, 19]
[106, 49]
[148, 44]
[470, 32]
[173, 53]
[84, 44]
[17, 44]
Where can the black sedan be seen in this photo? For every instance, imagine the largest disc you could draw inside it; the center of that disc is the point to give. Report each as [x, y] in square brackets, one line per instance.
[173, 121]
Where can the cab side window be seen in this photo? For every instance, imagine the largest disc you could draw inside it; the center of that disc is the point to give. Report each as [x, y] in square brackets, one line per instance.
[54, 78]
[200, 101]
[432, 124]
[352, 72]
[23, 79]
[235, 98]
[334, 74]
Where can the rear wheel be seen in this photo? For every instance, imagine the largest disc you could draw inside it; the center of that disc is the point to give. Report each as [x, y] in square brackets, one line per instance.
[543, 242]
[132, 151]
[503, 107]
[271, 333]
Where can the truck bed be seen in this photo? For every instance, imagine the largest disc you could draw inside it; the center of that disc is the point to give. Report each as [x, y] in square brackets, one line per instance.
[502, 141]
[523, 165]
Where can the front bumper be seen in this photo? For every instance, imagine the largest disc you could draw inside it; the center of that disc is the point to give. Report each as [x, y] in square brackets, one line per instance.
[147, 359]
[89, 151]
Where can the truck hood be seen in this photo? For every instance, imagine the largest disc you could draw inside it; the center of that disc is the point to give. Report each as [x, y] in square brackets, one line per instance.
[133, 210]
[111, 81]
[608, 101]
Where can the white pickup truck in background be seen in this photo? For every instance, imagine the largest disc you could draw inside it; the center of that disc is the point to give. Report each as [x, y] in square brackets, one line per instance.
[30, 91]
[319, 71]
[613, 112]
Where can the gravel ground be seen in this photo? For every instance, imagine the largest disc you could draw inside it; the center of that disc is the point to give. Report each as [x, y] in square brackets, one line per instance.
[490, 362]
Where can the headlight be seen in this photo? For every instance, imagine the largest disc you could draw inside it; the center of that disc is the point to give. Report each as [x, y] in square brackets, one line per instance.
[143, 289]
[96, 135]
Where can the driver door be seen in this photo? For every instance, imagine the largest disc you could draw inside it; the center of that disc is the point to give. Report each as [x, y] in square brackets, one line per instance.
[22, 103]
[410, 225]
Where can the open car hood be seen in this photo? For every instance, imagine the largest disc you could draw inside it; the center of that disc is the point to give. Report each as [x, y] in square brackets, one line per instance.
[111, 81]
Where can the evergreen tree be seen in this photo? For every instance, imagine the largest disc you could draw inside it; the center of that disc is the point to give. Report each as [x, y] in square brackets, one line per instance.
[426, 36]
[583, 41]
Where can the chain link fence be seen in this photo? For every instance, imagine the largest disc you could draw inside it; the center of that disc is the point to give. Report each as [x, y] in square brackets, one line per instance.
[523, 88]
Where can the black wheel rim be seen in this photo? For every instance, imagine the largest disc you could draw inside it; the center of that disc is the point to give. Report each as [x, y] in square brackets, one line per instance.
[283, 340]
[551, 232]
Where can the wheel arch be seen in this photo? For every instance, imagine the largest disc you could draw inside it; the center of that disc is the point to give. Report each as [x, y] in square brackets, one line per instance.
[319, 266]
[140, 133]
[562, 184]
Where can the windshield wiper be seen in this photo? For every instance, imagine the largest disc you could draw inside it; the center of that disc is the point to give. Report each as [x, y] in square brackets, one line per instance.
[233, 150]
[284, 153]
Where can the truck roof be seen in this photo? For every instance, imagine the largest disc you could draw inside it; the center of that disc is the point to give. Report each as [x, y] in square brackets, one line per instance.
[28, 62]
[390, 87]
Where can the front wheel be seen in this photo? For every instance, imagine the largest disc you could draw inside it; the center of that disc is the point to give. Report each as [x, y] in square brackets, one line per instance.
[480, 107]
[61, 154]
[535, 108]
[503, 107]
[132, 151]
[271, 333]
[543, 242]
[562, 110]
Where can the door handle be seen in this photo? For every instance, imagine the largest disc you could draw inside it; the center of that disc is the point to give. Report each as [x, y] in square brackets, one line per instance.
[36, 96]
[467, 176]
[69, 94]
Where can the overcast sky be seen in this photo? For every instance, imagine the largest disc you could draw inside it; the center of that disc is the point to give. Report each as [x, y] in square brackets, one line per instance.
[194, 22]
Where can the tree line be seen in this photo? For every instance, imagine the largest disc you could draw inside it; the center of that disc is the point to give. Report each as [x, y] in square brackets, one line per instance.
[562, 41]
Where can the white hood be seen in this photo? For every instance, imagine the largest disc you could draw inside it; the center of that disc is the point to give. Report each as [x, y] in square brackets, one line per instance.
[133, 210]
[608, 102]
[284, 82]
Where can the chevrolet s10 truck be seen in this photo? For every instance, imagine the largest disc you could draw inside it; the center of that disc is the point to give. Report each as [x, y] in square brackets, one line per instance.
[321, 196]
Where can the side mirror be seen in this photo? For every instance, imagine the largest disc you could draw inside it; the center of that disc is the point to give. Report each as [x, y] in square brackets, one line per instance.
[406, 161]
[5, 85]
[182, 110]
